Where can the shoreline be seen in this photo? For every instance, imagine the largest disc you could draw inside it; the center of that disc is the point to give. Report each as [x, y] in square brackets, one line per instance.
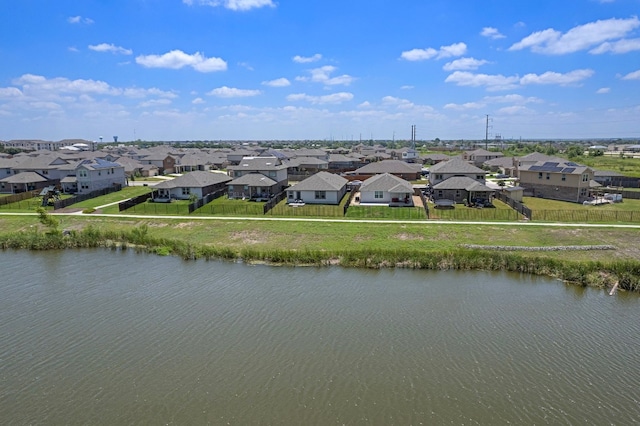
[604, 275]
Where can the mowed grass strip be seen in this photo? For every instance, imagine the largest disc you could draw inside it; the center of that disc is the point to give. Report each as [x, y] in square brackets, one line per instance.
[500, 212]
[223, 206]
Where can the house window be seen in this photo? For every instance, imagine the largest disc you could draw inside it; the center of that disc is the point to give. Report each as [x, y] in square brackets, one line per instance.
[438, 177]
[321, 195]
[585, 178]
[539, 175]
[290, 194]
[548, 176]
[45, 172]
[272, 174]
[186, 191]
[378, 194]
[440, 193]
[583, 192]
[479, 177]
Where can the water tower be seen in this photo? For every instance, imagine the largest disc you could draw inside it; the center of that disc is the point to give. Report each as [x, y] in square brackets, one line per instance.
[115, 139]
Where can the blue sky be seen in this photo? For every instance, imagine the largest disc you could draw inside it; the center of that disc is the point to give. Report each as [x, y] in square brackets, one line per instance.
[319, 69]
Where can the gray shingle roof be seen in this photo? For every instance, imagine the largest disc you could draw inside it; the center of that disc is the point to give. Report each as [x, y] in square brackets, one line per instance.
[24, 177]
[463, 182]
[389, 166]
[386, 182]
[455, 165]
[253, 179]
[197, 179]
[322, 181]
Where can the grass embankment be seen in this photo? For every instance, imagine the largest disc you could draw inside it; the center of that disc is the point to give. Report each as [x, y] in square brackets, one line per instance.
[368, 245]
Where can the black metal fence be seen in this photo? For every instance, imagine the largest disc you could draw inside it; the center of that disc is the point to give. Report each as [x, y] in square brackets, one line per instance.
[593, 215]
[274, 202]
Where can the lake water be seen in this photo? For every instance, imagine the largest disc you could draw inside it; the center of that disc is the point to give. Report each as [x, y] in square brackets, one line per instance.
[108, 337]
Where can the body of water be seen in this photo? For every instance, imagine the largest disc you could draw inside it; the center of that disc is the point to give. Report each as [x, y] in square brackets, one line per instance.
[108, 337]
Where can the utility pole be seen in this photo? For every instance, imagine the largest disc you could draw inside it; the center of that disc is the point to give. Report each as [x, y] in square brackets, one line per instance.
[486, 134]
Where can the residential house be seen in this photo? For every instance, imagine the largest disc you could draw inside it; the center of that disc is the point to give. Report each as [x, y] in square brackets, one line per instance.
[23, 182]
[321, 188]
[462, 189]
[270, 167]
[557, 180]
[434, 158]
[479, 156]
[96, 174]
[455, 167]
[401, 169]
[164, 162]
[197, 183]
[253, 186]
[387, 189]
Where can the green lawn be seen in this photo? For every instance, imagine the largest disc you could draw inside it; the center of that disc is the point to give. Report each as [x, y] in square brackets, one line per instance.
[625, 166]
[124, 194]
[29, 204]
[384, 212]
[500, 211]
[174, 208]
[226, 207]
[309, 210]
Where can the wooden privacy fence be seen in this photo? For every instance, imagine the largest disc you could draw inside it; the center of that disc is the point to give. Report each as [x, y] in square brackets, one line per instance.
[127, 204]
[516, 205]
[19, 197]
[206, 199]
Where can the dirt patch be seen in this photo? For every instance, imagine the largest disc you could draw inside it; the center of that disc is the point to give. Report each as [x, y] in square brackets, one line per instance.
[67, 210]
[408, 237]
[183, 225]
[249, 237]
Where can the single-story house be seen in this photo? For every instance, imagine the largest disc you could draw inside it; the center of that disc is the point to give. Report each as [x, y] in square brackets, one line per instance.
[386, 189]
[252, 186]
[321, 188]
[198, 183]
[461, 189]
[23, 182]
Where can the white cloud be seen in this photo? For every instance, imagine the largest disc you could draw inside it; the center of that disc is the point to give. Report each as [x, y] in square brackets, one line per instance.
[550, 77]
[198, 101]
[237, 5]
[79, 20]
[154, 103]
[581, 37]
[136, 92]
[10, 92]
[323, 75]
[618, 47]
[492, 82]
[603, 90]
[491, 33]
[334, 98]
[278, 82]
[305, 60]
[73, 49]
[514, 110]
[104, 47]
[513, 98]
[177, 59]
[232, 92]
[465, 106]
[407, 87]
[38, 84]
[632, 76]
[456, 49]
[464, 64]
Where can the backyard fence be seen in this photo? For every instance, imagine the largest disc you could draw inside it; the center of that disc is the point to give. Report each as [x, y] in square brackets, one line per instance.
[127, 204]
[273, 202]
[587, 216]
[515, 205]
[206, 199]
[14, 198]
[60, 204]
[473, 214]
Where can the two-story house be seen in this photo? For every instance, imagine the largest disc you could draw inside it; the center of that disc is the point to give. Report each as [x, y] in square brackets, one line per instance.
[257, 177]
[557, 180]
[92, 175]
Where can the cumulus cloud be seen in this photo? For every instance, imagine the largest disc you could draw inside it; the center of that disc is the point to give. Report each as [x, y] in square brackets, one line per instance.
[501, 82]
[154, 103]
[79, 20]
[464, 64]
[581, 37]
[632, 76]
[456, 49]
[491, 33]
[618, 47]
[198, 101]
[278, 82]
[491, 82]
[237, 5]
[551, 77]
[465, 106]
[232, 92]
[334, 98]
[603, 90]
[104, 47]
[323, 75]
[177, 59]
[307, 59]
[10, 92]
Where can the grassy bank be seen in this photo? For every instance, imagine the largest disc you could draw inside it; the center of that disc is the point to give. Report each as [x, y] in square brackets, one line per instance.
[364, 245]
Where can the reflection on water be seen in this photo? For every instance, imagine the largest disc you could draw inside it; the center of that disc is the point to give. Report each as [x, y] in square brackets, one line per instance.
[104, 337]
